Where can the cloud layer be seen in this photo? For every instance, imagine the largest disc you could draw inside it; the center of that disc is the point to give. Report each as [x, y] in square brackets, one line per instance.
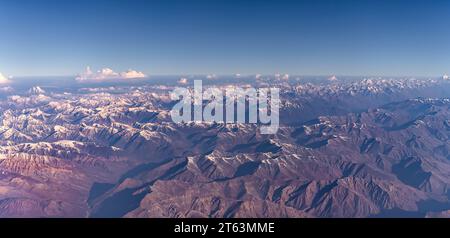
[3, 79]
[108, 74]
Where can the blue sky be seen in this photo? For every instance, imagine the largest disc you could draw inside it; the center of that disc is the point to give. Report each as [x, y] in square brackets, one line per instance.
[326, 37]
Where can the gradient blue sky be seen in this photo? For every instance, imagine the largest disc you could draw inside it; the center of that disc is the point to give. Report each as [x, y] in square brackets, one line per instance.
[358, 37]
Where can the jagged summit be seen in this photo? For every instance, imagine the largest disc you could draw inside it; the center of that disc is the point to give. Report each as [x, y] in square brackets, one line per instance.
[36, 90]
[332, 78]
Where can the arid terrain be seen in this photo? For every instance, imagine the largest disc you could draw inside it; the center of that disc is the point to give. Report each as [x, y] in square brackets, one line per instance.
[364, 147]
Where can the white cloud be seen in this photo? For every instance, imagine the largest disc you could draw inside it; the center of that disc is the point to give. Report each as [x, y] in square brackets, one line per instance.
[108, 74]
[6, 89]
[183, 81]
[132, 74]
[3, 79]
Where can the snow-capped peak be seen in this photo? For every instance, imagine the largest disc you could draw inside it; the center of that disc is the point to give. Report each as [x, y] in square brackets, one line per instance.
[332, 78]
[36, 90]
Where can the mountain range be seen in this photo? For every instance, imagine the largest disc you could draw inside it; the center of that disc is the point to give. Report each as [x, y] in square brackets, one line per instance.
[373, 147]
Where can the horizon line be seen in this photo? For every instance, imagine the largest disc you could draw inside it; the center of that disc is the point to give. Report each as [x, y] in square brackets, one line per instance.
[244, 75]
